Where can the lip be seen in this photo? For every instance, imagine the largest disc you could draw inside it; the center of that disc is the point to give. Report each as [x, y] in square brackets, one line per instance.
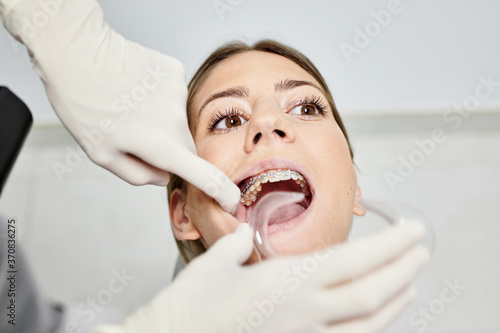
[274, 163]
[277, 162]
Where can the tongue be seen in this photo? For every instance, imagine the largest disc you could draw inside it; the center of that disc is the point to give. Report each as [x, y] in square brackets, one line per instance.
[285, 213]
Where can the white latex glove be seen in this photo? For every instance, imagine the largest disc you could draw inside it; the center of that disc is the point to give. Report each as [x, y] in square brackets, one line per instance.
[124, 104]
[355, 287]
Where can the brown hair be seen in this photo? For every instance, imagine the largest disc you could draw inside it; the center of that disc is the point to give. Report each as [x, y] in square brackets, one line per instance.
[193, 248]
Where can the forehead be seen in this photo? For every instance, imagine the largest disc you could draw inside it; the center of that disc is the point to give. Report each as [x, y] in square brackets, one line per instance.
[257, 70]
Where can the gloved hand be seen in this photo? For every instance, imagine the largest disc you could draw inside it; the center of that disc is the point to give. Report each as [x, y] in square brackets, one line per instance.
[355, 287]
[123, 103]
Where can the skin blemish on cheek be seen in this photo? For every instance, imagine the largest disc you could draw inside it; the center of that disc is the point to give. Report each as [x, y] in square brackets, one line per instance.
[348, 193]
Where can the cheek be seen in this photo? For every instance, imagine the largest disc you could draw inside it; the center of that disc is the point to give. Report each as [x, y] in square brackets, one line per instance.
[326, 145]
[220, 150]
[334, 142]
[336, 188]
[210, 220]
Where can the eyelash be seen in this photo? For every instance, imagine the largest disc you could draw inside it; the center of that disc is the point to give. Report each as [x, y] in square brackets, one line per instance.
[315, 101]
[222, 114]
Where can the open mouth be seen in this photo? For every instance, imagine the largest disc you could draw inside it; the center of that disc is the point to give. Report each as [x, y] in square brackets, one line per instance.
[255, 187]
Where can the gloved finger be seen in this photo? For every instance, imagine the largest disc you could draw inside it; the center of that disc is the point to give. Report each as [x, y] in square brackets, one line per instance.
[379, 320]
[368, 294]
[107, 329]
[132, 169]
[234, 248]
[351, 260]
[187, 165]
[207, 177]
[212, 181]
[5, 5]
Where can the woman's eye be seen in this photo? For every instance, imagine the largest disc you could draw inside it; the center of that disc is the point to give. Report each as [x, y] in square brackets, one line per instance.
[230, 122]
[305, 110]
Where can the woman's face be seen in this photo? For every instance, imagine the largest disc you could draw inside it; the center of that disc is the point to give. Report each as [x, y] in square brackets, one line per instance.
[260, 112]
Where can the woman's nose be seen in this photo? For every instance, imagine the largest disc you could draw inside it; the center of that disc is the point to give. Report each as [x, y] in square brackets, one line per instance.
[268, 125]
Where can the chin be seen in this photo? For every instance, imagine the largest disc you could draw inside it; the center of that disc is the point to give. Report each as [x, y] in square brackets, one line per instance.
[308, 232]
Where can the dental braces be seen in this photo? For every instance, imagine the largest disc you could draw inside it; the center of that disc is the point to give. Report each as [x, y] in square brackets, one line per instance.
[251, 191]
[272, 176]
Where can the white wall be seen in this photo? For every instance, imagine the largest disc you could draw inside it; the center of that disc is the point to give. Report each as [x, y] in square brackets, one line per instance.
[457, 186]
[428, 57]
[78, 230]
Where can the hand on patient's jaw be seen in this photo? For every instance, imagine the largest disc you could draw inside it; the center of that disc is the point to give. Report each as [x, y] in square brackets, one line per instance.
[123, 103]
[355, 287]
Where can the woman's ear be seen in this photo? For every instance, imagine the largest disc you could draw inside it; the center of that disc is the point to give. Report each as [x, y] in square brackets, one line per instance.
[358, 207]
[184, 229]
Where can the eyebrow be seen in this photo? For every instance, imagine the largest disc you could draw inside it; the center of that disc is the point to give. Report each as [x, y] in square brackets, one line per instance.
[238, 92]
[243, 92]
[288, 84]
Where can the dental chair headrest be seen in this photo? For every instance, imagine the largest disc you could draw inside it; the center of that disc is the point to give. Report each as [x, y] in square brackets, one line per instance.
[15, 123]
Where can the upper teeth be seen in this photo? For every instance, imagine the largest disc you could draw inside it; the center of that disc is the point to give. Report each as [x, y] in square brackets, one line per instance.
[254, 186]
